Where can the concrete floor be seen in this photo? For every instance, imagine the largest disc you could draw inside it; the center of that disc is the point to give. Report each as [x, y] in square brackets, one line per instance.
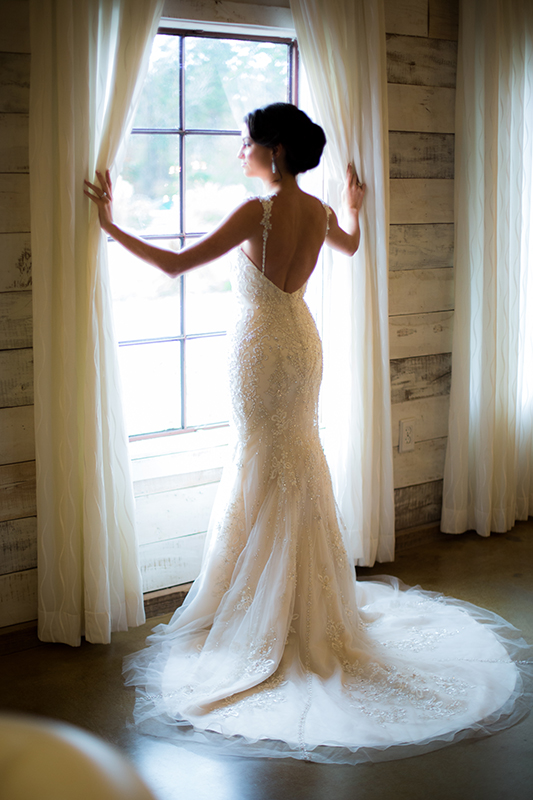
[84, 686]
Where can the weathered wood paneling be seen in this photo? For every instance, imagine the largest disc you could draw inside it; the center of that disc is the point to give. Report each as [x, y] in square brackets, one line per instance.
[15, 27]
[18, 545]
[420, 334]
[430, 415]
[16, 377]
[421, 155]
[415, 291]
[15, 262]
[420, 61]
[443, 19]
[174, 514]
[171, 562]
[417, 505]
[409, 17]
[422, 465]
[14, 146]
[421, 108]
[419, 200]
[202, 454]
[14, 83]
[164, 601]
[18, 597]
[17, 491]
[421, 376]
[17, 439]
[14, 203]
[169, 483]
[15, 320]
[18, 574]
[414, 246]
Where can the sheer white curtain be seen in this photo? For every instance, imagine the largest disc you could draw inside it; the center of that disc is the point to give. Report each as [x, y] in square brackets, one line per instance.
[343, 50]
[488, 480]
[88, 60]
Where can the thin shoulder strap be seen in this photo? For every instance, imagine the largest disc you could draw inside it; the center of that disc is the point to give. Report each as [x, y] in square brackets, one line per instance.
[266, 224]
[328, 215]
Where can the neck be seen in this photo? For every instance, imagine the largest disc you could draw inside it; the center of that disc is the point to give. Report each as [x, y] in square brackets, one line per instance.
[277, 183]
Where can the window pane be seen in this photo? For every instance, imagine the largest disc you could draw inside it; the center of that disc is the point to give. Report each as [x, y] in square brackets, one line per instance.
[214, 181]
[151, 379]
[147, 192]
[208, 299]
[206, 381]
[146, 302]
[159, 102]
[225, 79]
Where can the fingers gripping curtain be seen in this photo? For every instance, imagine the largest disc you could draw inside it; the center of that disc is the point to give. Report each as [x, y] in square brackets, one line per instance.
[88, 60]
[343, 50]
[488, 480]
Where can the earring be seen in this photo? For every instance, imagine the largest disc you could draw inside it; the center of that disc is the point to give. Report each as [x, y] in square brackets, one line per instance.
[274, 170]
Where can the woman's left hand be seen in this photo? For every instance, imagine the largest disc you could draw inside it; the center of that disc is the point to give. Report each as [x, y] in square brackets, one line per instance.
[103, 197]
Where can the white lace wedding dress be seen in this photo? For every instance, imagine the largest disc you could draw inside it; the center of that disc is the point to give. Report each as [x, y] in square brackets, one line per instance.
[277, 651]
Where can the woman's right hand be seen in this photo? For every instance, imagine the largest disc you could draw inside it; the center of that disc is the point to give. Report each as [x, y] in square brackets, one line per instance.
[102, 196]
[354, 191]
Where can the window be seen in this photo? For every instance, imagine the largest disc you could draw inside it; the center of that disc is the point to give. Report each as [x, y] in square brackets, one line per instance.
[180, 177]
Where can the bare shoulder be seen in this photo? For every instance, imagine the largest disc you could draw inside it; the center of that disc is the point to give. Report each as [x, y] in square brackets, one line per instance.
[314, 205]
[251, 207]
[244, 216]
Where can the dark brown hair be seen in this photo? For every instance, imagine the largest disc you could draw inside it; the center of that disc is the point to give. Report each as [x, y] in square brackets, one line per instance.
[283, 123]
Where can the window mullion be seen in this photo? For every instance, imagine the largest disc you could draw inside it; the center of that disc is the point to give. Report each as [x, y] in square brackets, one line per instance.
[183, 343]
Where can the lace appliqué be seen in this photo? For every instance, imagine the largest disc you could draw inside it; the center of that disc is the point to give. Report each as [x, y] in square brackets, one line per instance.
[245, 600]
[328, 216]
[266, 224]
[266, 695]
[230, 540]
[384, 692]
[418, 641]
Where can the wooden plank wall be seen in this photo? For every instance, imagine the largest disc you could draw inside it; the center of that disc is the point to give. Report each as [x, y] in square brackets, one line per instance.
[421, 69]
[421, 63]
[18, 556]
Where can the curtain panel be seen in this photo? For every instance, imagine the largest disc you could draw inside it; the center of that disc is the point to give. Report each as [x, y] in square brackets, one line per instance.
[488, 482]
[342, 43]
[89, 58]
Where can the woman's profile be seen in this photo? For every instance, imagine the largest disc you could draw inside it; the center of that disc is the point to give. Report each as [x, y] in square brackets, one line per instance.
[277, 650]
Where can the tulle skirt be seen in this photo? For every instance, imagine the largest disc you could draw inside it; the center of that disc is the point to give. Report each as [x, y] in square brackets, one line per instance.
[278, 650]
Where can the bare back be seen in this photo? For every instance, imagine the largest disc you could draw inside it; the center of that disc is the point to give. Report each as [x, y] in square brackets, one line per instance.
[298, 226]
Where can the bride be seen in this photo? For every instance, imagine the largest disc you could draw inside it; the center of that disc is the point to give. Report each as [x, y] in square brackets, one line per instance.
[277, 650]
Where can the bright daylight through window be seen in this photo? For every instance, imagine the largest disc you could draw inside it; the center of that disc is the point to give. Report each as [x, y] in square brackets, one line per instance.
[180, 177]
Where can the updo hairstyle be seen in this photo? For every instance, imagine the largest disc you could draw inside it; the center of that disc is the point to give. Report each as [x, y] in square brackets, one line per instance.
[283, 123]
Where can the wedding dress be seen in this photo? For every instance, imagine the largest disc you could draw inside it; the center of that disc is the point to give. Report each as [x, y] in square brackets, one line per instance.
[277, 651]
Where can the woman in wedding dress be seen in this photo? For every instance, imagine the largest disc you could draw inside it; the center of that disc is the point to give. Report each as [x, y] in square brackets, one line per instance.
[277, 650]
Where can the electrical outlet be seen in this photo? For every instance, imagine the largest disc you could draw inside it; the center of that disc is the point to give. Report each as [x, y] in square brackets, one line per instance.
[406, 440]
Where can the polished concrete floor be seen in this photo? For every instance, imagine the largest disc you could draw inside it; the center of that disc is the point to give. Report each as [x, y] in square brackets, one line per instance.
[84, 686]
